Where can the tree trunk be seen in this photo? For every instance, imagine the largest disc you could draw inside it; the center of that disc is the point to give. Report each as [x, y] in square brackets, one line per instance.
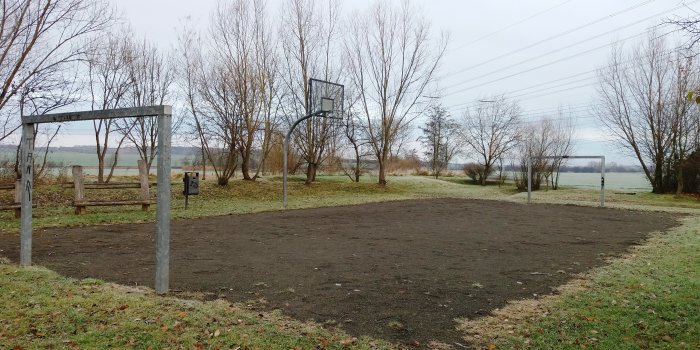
[100, 169]
[204, 164]
[245, 166]
[382, 173]
[679, 180]
[487, 169]
[310, 173]
[658, 185]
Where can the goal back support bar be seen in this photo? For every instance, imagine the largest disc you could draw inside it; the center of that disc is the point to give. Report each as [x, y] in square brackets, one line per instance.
[602, 173]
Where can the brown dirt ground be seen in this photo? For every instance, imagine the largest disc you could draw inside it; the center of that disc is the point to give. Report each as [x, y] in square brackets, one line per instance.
[401, 271]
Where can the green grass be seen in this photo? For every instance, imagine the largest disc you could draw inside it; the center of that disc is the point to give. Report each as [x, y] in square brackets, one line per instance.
[649, 300]
[41, 309]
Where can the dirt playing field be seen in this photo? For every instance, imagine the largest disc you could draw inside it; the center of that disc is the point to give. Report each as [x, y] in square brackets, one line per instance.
[401, 270]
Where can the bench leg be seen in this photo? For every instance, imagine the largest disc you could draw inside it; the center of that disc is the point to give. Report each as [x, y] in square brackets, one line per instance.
[80, 210]
[145, 207]
[18, 213]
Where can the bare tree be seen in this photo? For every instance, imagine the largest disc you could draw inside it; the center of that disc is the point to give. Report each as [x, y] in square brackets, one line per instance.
[440, 139]
[685, 118]
[229, 83]
[44, 93]
[540, 142]
[189, 72]
[150, 75]
[641, 104]
[109, 84]
[392, 59]
[243, 45]
[355, 141]
[39, 43]
[690, 26]
[491, 130]
[309, 36]
[557, 134]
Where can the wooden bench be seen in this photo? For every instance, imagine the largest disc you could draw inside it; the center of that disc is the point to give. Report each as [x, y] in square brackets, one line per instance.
[81, 204]
[17, 204]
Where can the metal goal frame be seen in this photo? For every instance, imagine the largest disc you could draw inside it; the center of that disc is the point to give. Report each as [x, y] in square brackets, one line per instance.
[602, 173]
[162, 234]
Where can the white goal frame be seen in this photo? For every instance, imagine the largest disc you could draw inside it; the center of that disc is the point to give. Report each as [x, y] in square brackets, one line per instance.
[602, 173]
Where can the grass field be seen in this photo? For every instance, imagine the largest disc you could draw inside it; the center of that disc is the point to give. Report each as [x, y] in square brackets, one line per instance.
[649, 299]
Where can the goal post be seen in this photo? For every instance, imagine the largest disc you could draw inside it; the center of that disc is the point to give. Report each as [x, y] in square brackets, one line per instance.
[163, 114]
[602, 173]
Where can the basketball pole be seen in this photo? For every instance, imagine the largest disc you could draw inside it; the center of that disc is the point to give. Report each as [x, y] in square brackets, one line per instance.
[285, 151]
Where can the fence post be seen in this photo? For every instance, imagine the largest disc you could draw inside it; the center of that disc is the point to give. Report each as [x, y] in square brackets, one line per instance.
[79, 187]
[143, 180]
[18, 198]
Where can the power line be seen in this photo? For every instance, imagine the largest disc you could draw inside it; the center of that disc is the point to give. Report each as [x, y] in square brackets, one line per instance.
[566, 47]
[559, 35]
[510, 26]
[471, 104]
[543, 65]
[625, 62]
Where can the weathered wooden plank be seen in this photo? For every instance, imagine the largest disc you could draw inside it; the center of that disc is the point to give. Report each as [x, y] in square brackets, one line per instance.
[14, 206]
[109, 203]
[108, 186]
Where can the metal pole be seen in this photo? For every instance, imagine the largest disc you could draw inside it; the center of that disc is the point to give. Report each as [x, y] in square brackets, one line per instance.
[529, 178]
[602, 181]
[285, 150]
[25, 250]
[162, 273]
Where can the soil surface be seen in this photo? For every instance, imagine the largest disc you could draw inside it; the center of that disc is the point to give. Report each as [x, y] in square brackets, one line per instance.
[401, 271]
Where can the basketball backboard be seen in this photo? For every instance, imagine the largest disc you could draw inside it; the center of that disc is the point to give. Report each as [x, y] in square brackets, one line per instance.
[326, 98]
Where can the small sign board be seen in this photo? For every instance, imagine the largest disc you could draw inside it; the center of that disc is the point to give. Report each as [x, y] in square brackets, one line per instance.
[191, 184]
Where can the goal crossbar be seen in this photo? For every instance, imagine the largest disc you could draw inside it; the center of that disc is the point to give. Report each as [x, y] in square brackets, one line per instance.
[602, 173]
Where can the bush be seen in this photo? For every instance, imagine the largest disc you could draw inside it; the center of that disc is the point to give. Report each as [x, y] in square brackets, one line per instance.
[472, 170]
[476, 172]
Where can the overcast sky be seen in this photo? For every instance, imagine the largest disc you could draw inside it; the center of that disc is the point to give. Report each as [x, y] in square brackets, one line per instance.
[542, 53]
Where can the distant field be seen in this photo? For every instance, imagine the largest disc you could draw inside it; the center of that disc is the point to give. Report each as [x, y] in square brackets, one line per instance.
[90, 159]
[619, 181]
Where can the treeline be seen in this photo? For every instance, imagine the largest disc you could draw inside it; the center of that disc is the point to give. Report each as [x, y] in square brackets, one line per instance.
[239, 84]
